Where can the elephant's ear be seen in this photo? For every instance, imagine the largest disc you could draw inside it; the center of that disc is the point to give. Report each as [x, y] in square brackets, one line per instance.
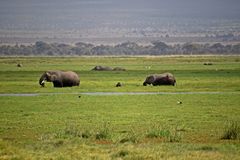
[48, 74]
[151, 78]
[54, 77]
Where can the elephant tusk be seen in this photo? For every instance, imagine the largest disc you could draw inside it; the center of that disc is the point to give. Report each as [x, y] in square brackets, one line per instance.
[42, 83]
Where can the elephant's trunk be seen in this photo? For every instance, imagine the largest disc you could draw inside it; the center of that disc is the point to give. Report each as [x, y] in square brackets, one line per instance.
[41, 80]
[174, 83]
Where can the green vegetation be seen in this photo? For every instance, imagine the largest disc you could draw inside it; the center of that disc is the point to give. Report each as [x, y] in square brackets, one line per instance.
[232, 131]
[191, 73]
[72, 125]
[41, 48]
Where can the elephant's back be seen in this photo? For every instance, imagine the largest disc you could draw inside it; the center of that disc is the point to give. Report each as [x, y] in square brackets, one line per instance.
[70, 78]
[72, 75]
[167, 74]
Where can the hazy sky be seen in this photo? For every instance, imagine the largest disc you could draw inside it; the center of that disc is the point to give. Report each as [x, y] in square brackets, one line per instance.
[166, 7]
[36, 13]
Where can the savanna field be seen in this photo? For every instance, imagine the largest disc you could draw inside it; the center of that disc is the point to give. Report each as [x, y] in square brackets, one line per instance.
[196, 119]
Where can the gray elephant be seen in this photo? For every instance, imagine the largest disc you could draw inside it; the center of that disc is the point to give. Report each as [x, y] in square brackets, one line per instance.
[160, 79]
[102, 68]
[60, 78]
[119, 69]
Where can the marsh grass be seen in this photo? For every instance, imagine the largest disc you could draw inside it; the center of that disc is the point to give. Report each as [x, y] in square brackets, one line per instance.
[191, 75]
[131, 136]
[168, 134]
[121, 154]
[73, 131]
[101, 132]
[157, 132]
[208, 148]
[231, 131]
[104, 132]
[64, 126]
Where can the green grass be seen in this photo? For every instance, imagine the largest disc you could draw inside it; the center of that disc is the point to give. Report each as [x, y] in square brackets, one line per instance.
[232, 131]
[64, 126]
[190, 73]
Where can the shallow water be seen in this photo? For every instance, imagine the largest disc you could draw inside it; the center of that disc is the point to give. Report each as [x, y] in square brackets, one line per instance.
[111, 93]
[18, 94]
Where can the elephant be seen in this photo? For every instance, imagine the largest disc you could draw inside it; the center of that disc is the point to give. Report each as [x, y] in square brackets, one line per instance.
[19, 65]
[60, 78]
[119, 84]
[106, 68]
[119, 69]
[160, 79]
[102, 68]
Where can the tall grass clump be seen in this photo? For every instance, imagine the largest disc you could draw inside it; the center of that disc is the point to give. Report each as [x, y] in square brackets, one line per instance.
[72, 131]
[132, 136]
[167, 134]
[231, 131]
[121, 154]
[104, 132]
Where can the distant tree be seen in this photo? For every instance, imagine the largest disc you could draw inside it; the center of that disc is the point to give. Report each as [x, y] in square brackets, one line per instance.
[42, 48]
[160, 45]
[236, 48]
[81, 48]
[102, 50]
[160, 48]
[217, 48]
[190, 48]
[126, 48]
[5, 50]
[62, 49]
[84, 45]
[26, 50]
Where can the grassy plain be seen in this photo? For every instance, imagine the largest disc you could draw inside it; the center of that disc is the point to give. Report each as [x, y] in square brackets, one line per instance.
[64, 126]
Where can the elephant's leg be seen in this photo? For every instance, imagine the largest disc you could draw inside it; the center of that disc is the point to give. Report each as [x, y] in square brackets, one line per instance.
[68, 84]
[57, 84]
[155, 83]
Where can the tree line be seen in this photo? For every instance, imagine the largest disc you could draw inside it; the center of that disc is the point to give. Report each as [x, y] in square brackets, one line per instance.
[41, 48]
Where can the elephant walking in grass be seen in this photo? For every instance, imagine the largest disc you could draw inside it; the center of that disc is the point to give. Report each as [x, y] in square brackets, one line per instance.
[160, 79]
[60, 78]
